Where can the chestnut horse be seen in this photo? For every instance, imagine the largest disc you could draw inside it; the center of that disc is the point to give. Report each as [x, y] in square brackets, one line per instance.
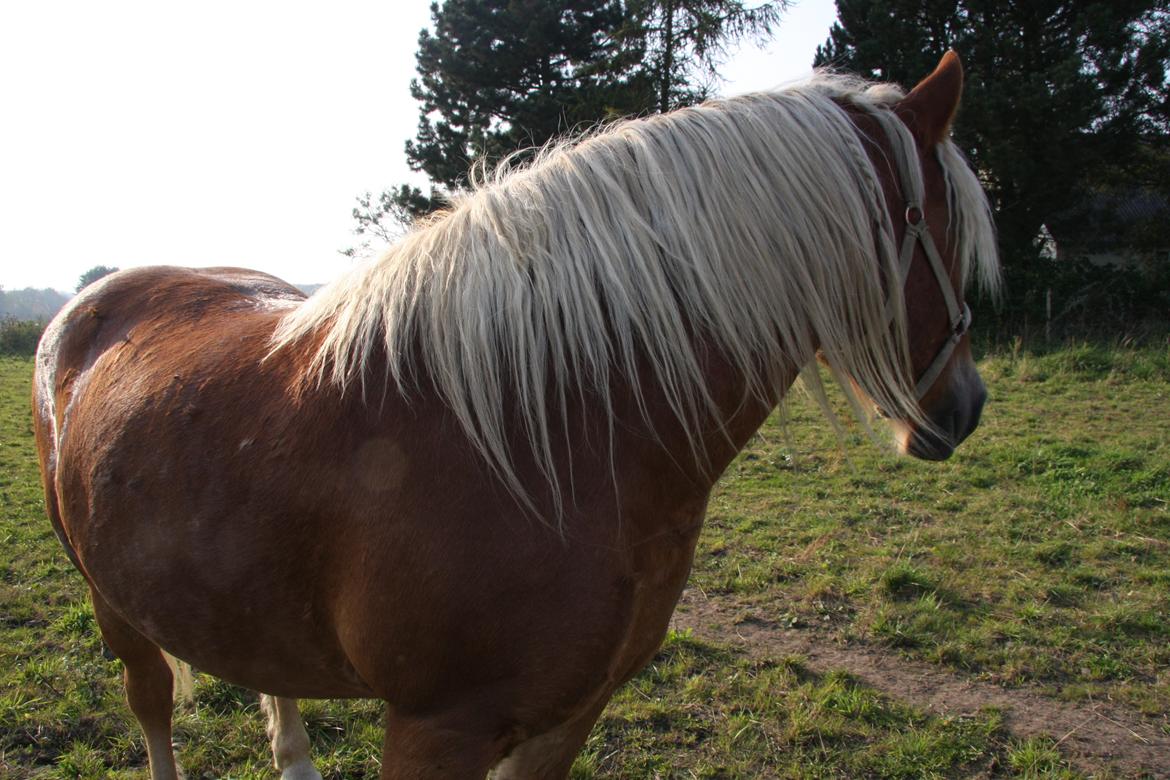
[467, 478]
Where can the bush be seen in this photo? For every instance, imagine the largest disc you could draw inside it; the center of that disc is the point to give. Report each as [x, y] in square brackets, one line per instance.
[1086, 299]
[20, 337]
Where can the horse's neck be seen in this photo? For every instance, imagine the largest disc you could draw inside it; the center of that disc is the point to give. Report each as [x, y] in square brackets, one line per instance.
[694, 460]
[662, 487]
[742, 413]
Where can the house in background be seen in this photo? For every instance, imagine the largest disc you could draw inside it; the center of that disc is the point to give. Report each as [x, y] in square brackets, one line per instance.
[1127, 229]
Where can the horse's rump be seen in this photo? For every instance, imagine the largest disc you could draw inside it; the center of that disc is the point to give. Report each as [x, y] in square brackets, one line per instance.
[163, 445]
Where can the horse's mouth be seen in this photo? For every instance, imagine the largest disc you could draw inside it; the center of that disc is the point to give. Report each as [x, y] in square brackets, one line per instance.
[926, 445]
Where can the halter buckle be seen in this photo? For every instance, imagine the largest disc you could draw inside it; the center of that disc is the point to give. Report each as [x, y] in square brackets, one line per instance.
[962, 323]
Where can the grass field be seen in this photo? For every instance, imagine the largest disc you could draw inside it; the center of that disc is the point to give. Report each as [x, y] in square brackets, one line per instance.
[1038, 558]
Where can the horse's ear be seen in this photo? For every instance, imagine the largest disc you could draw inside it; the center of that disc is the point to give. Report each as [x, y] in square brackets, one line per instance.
[930, 106]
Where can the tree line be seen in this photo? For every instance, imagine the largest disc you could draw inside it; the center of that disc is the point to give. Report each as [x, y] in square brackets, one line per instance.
[1066, 111]
[1066, 118]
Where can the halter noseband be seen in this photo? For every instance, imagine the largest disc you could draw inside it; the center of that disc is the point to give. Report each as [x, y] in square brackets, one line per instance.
[918, 233]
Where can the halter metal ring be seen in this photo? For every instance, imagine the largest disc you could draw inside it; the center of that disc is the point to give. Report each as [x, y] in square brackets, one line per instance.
[963, 324]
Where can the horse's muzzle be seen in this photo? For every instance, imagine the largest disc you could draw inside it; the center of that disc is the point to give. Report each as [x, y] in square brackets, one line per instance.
[954, 418]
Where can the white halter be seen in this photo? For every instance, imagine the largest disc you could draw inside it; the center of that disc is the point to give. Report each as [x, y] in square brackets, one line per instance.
[918, 233]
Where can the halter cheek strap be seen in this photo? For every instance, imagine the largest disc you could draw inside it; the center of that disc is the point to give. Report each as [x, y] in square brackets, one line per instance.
[918, 233]
[959, 314]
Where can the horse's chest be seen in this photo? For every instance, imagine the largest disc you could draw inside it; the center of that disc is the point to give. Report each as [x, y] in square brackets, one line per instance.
[661, 567]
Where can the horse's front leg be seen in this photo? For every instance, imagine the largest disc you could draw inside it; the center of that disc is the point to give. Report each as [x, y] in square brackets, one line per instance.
[449, 746]
[549, 756]
[290, 741]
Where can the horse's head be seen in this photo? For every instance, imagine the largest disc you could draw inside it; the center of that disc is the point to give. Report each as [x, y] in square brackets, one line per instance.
[942, 227]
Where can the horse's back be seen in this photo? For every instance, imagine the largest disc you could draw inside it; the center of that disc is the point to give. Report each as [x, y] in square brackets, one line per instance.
[160, 298]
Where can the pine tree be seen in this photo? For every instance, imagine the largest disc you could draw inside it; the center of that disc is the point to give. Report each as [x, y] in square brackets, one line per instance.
[681, 43]
[93, 274]
[497, 77]
[1061, 95]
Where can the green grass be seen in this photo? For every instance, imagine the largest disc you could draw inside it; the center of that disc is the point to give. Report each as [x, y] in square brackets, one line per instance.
[1039, 554]
[700, 710]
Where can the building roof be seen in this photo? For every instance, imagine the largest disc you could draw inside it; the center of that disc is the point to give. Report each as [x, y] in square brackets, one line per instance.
[1114, 220]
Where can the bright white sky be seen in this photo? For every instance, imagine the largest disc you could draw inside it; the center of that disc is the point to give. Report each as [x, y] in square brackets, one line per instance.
[225, 133]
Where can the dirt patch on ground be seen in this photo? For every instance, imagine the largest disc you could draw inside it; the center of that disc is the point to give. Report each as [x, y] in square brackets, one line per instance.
[1094, 736]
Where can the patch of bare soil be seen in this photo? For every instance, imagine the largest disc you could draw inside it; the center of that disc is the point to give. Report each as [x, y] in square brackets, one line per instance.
[1094, 736]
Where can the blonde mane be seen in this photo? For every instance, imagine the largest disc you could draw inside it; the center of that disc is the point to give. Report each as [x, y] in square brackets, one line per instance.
[757, 222]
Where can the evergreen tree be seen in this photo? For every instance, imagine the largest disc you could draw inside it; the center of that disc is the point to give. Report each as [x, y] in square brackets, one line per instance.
[1062, 96]
[92, 275]
[681, 43]
[501, 76]
[498, 75]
